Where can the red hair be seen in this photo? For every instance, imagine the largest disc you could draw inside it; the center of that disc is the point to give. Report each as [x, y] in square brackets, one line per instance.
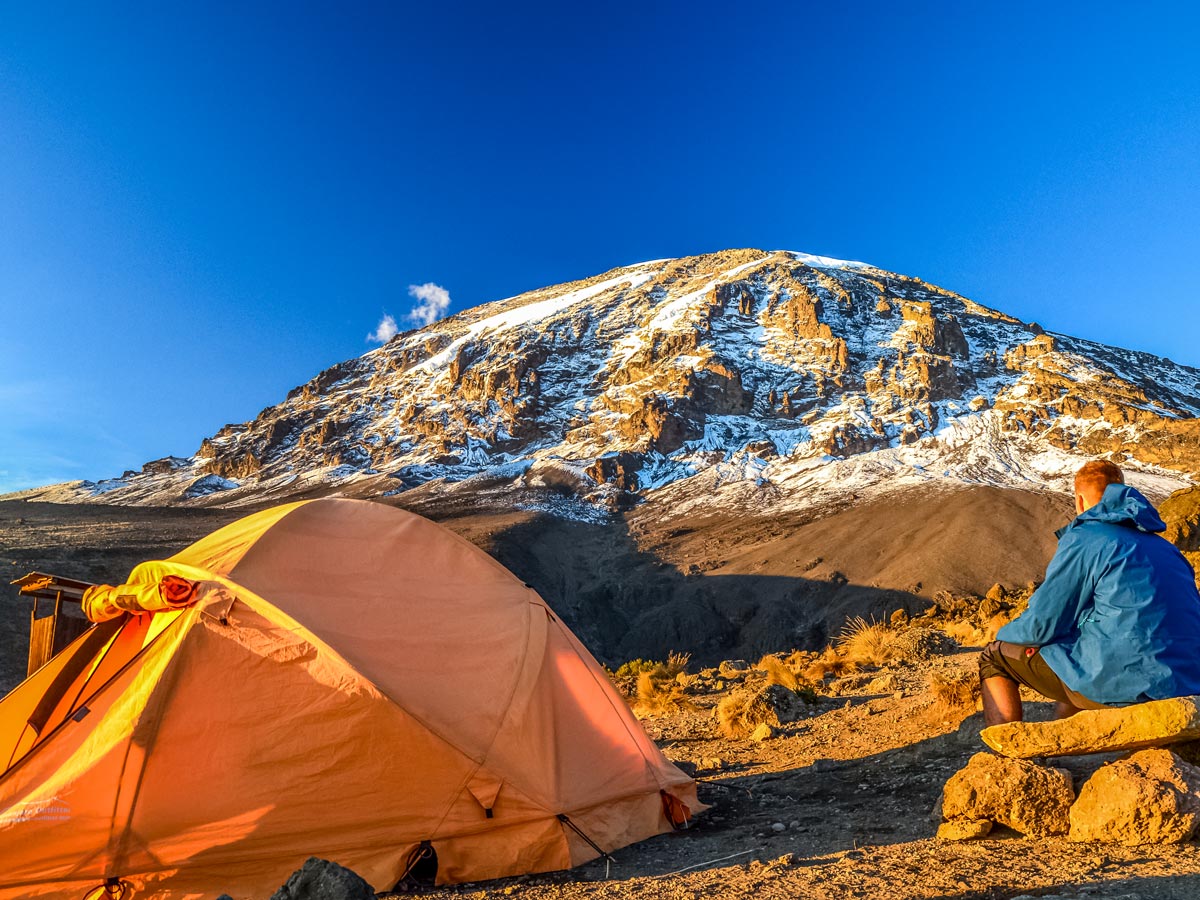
[1093, 477]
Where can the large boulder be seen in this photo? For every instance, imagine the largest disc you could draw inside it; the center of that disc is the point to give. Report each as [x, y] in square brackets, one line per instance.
[320, 879]
[1028, 798]
[1153, 797]
[1152, 724]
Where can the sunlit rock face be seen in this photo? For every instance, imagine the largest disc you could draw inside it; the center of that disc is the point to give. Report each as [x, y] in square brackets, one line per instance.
[745, 378]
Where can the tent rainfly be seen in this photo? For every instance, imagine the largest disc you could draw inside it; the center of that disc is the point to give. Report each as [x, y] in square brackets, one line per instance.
[335, 678]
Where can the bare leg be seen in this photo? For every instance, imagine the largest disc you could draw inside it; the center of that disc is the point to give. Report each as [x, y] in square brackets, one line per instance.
[1064, 710]
[1001, 701]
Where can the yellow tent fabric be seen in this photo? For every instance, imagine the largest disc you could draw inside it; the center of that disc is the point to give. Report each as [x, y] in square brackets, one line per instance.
[349, 681]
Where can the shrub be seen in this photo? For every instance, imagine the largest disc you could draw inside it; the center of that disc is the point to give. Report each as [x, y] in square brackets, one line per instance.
[675, 663]
[635, 667]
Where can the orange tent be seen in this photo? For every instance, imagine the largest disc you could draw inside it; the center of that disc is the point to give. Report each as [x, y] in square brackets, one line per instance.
[335, 678]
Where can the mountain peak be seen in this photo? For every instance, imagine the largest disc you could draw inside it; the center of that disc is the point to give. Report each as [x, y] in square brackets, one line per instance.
[742, 377]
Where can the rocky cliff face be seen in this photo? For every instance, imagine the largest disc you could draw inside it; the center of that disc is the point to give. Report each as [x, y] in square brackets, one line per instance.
[743, 377]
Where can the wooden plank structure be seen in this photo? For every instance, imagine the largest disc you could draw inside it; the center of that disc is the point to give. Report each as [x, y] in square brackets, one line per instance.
[51, 627]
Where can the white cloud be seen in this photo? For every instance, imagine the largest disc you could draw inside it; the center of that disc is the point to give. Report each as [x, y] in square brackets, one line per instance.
[384, 331]
[435, 300]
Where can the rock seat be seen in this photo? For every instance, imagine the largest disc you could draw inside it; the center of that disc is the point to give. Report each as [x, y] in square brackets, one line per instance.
[1158, 723]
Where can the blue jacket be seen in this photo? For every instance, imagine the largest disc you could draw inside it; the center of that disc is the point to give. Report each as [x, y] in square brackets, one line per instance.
[1118, 616]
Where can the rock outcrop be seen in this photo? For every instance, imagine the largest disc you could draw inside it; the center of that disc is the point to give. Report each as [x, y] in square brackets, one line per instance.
[1181, 512]
[1025, 797]
[1153, 797]
[1154, 724]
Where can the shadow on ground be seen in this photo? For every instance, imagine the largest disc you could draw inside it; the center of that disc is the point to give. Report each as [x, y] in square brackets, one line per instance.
[627, 602]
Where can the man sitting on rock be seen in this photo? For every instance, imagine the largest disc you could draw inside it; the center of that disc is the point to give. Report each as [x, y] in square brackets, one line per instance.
[1117, 620]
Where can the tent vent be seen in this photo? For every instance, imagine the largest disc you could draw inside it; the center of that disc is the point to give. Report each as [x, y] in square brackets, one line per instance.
[81, 714]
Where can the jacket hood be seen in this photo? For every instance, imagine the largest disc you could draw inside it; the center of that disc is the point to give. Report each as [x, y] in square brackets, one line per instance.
[1123, 505]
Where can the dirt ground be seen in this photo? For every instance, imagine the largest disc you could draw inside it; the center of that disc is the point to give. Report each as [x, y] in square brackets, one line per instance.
[839, 806]
[835, 806]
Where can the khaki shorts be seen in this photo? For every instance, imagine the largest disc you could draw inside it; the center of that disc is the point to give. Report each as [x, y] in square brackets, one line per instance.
[1025, 665]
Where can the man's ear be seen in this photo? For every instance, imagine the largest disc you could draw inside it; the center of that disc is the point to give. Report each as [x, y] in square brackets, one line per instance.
[1080, 505]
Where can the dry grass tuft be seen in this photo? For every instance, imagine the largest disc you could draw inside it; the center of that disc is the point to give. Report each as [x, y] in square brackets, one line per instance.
[729, 715]
[955, 695]
[677, 662]
[828, 663]
[743, 711]
[778, 672]
[656, 697]
[798, 659]
[869, 643]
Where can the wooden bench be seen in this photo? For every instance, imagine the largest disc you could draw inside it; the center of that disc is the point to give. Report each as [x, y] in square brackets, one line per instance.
[52, 624]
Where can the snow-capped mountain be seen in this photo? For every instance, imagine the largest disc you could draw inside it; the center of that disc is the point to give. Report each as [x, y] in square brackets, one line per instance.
[738, 378]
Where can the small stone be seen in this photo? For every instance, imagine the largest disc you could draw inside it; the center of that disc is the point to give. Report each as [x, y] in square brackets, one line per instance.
[899, 695]
[762, 733]
[964, 829]
[794, 824]
[884, 684]
[778, 827]
[731, 668]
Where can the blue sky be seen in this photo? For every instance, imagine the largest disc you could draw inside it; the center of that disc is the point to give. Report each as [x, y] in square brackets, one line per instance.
[203, 205]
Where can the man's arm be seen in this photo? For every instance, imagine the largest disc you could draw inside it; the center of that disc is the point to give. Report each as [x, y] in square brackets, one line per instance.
[1054, 609]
